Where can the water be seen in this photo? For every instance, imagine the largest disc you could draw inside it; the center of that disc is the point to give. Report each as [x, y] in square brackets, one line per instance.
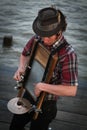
[16, 19]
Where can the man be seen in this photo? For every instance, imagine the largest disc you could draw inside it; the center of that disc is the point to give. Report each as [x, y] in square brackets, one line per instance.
[49, 26]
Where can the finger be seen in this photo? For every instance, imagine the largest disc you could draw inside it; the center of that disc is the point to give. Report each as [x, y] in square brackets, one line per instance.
[15, 77]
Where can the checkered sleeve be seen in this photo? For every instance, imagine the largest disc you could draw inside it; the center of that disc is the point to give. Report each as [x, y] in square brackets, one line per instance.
[27, 49]
[70, 70]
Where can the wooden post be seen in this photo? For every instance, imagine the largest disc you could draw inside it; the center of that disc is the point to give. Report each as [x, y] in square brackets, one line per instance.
[7, 41]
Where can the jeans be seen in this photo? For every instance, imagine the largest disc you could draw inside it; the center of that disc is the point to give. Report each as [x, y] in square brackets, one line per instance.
[49, 110]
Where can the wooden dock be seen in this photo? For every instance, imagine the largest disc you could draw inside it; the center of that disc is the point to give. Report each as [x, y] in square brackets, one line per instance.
[72, 111]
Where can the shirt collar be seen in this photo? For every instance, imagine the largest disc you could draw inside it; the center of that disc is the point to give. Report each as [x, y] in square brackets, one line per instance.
[57, 43]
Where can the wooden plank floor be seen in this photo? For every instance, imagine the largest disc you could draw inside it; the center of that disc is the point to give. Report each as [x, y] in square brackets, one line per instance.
[72, 111]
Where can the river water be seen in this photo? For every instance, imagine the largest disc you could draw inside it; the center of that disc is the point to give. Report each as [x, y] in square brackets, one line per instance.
[16, 17]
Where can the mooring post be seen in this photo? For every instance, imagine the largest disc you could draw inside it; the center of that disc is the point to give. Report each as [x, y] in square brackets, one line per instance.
[7, 41]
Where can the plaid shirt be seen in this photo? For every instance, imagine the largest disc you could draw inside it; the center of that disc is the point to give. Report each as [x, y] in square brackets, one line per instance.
[66, 71]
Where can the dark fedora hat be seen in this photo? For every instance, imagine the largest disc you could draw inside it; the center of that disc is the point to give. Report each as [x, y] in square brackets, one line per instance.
[47, 23]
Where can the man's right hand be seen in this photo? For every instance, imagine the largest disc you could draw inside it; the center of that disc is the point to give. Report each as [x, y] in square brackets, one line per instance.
[19, 73]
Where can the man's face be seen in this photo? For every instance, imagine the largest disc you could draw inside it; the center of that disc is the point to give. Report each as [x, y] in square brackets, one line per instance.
[49, 40]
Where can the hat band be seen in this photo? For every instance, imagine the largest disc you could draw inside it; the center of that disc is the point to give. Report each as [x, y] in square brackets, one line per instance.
[47, 27]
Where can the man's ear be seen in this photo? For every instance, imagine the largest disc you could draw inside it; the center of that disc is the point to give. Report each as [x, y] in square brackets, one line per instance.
[59, 34]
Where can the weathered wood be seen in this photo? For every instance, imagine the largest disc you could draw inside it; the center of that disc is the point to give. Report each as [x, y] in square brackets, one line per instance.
[64, 125]
[72, 117]
[4, 126]
[73, 104]
[7, 41]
